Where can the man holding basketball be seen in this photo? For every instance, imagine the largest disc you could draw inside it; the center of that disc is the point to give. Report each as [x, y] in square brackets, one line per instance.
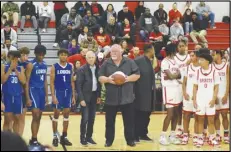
[119, 93]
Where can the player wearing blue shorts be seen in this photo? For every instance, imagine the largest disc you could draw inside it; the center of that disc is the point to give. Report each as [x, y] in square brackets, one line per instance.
[37, 89]
[12, 78]
[63, 94]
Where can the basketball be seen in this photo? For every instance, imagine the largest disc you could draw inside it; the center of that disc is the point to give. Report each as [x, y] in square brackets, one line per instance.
[119, 77]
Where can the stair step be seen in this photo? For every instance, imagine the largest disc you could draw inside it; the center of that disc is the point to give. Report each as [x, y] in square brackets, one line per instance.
[223, 32]
[49, 54]
[32, 44]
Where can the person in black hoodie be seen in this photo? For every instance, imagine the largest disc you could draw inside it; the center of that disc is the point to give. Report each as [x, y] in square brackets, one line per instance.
[187, 20]
[139, 10]
[111, 29]
[82, 7]
[107, 14]
[125, 13]
[160, 14]
[28, 13]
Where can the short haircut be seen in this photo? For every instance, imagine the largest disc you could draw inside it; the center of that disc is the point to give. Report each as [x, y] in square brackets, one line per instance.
[62, 50]
[24, 50]
[183, 41]
[125, 6]
[220, 52]
[14, 54]
[40, 49]
[147, 47]
[7, 39]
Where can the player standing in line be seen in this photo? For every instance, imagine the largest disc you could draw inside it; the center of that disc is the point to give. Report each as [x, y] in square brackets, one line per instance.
[188, 110]
[12, 78]
[182, 59]
[63, 94]
[170, 74]
[37, 89]
[222, 106]
[204, 96]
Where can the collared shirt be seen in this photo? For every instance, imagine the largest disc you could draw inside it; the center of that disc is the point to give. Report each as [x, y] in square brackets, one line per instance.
[94, 80]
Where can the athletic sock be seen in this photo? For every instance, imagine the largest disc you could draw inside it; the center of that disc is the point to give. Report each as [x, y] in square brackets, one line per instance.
[163, 133]
[218, 132]
[179, 127]
[34, 139]
[55, 134]
[173, 134]
[64, 134]
[205, 131]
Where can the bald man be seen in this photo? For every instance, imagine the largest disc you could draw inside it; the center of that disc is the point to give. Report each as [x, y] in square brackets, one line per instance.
[88, 90]
[119, 96]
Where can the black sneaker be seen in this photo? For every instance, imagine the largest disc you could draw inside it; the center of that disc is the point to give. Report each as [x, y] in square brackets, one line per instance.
[22, 30]
[35, 30]
[137, 140]
[146, 138]
[34, 143]
[55, 142]
[91, 141]
[108, 144]
[65, 141]
[131, 144]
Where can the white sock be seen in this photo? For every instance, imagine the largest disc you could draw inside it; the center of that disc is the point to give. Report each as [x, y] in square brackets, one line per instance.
[218, 132]
[195, 135]
[205, 131]
[163, 133]
[179, 126]
[173, 133]
[211, 136]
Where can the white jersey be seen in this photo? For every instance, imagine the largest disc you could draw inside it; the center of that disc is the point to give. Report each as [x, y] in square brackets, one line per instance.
[169, 64]
[181, 61]
[206, 80]
[222, 72]
[191, 78]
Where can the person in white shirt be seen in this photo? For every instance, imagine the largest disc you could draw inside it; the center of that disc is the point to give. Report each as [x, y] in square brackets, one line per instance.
[9, 46]
[83, 35]
[44, 16]
[176, 29]
[9, 33]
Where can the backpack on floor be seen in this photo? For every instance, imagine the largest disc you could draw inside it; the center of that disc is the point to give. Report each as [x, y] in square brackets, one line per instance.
[226, 19]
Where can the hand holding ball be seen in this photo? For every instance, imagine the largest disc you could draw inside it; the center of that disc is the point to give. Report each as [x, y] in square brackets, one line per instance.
[119, 78]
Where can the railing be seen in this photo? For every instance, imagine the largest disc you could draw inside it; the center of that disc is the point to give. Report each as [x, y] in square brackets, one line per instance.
[38, 35]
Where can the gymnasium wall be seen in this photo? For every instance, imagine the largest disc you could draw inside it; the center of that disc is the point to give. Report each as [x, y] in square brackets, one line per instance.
[219, 8]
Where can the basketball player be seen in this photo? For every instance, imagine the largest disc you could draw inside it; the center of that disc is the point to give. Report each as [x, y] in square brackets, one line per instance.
[63, 94]
[204, 96]
[222, 107]
[170, 74]
[189, 78]
[37, 89]
[12, 78]
[182, 59]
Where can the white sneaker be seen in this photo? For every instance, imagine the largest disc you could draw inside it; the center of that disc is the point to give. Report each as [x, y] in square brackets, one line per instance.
[55, 45]
[44, 30]
[200, 142]
[194, 140]
[226, 139]
[163, 140]
[184, 140]
[179, 133]
[174, 140]
[218, 138]
[214, 142]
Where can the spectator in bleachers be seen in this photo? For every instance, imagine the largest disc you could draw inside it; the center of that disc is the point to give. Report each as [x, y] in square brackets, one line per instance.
[125, 13]
[44, 16]
[174, 14]
[90, 21]
[67, 35]
[176, 29]
[103, 41]
[107, 14]
[155, 36]
[160, 14]
[188, 5]
[147, 24]
[28, 12]
[9, 46]
[135, 52]
[73, 47]
[10, 13]
[100, 59]
[199, 46]
[82, 7]
[79, 57]
[127, 32]
[83, 34]
[4, 53]
[198, 30]
[163, 28]
[139, 10]
[125, 49]
[204, 12]
[9, 33]
[111, 29]
[90, 43]
[187, 20]
[97, 10]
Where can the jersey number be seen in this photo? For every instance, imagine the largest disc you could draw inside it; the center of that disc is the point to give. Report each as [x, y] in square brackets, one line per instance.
[205, 85]
[14, 80]
[64, 78]
[42, 77]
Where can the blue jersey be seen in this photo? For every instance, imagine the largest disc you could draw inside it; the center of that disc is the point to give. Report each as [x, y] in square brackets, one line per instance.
[38, 74]
[12, 86]
[63, 76]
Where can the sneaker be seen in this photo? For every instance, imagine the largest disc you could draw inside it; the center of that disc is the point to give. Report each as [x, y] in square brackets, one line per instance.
[91, 141]
[163, 140]
[226, 139]
[194, 140]
[55, 142]
[131, 144]
[34, 143]
[55, 45]
[108, 144]
[184, 140]
[65, 141]
[137, 140]
[205, 137]
[214, 142]
[218, 138]
[174, 140]
[200, 142]
[44, 30]
[22, 31]
[146, 138]
[35, 30]
[83, 142]
[179, 133]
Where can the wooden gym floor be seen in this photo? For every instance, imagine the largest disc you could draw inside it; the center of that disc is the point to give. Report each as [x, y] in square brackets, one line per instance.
[45, 135]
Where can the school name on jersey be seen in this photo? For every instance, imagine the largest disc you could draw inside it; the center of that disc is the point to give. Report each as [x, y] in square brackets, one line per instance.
[206, 80]
[221, 73]
[182, 65]
[41, 71]
[64, 72]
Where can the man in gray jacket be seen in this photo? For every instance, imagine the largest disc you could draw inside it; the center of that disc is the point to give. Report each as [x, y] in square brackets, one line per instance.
[148, 23]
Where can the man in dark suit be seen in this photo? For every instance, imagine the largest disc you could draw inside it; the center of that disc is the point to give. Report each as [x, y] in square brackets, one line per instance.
[88, 90]
[144, 93]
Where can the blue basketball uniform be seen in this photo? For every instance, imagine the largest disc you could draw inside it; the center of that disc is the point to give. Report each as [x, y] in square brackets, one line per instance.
[36, 84]
[63, 89]
[12, 92]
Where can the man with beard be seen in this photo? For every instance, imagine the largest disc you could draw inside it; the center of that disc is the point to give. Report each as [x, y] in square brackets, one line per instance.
[79, 57]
